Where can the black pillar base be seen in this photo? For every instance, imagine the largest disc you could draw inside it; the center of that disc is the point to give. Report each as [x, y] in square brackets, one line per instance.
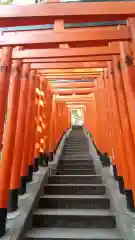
[121, 184]
[3, 217]
[98, 153]
[23, 183]
[40, 161]
[115, 172]
[105, 160]
[30, 173]
[13, 200]
[50, 154]
[46, 159]
[43, 160]
[57, 146]
[59, 142]
[129, 200]
[55, 150]
[35, 166]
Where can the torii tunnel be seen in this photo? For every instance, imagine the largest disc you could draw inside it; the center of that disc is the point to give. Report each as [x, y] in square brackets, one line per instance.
[46, 73]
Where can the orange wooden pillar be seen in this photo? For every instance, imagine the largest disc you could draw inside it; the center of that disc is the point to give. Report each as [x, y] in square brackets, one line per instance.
[34, 125]
[63, 119]
[27, 166]
[128, 73]
[131, 25]
[91, 117]
[122, 167]
[32, 161]
[9, 134]
[98, 123]
[126, 127]
[40, 102]
[19, 138]
[51, 132]
[5, 67]
[107, 122]
[69, 118]
[111, 123]
[102, 113]
[43, 124]
[103, 123]
[88, 114]
[57, 126]
[47, 109]
[85, 117]
[10, 130]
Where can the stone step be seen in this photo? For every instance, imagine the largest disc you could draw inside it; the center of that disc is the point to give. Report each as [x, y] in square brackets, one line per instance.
[74, 202]
[76, 160]
[77, 163]
[75, 189]
[74, 207]
[74, 151]
[74, 143]
[75, 166]
[78, 179]
[82, 155]
[78, 154]
[73, 234]
[76, 148]
[76, 218]
[74, 140]
[76, 171]
[81, 141]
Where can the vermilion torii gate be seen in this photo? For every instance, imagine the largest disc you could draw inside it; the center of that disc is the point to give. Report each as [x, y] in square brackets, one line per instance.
[32, 109]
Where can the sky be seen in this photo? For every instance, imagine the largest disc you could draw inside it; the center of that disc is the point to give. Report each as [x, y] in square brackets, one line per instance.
[23, 2]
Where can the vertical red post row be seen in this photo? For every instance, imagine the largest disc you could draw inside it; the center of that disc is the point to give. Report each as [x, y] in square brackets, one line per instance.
[123, 176]
[19, 182]
[33, 154]
[10, 130]
[40, 108]
[123, 78]
[111, 122]
[32, 162]
[128, 147]
[48, 110]
[5, 70]
[52, 124]
[43, 124]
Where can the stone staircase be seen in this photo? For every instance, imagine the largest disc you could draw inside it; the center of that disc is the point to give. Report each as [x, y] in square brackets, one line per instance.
[75, 204]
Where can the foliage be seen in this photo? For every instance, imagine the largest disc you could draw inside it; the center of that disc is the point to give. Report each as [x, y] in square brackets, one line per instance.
[76, 114]
[5, 2]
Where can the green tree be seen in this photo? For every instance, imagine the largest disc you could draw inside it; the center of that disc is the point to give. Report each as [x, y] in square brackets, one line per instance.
[76, 115]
